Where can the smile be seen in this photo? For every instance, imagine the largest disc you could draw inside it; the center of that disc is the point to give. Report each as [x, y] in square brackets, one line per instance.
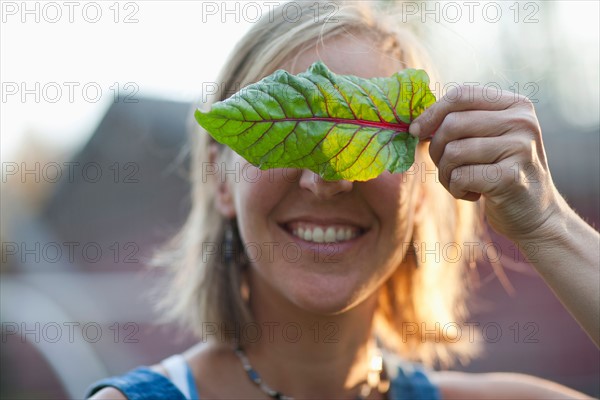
[317, 233]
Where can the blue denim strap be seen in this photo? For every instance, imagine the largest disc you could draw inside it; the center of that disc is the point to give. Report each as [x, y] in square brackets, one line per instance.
[144, 384]
[191, 383]
[413, 386]
[140, 384]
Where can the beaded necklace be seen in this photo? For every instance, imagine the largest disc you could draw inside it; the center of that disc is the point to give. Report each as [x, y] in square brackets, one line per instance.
[376, 377]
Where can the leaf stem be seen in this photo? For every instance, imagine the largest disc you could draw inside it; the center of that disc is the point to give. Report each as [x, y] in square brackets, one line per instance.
[398, 127]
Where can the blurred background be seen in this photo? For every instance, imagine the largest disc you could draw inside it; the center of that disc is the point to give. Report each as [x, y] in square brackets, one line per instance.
[95, 102]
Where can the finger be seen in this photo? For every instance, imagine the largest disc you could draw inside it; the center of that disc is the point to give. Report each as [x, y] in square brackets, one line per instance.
[475, 151]
[461, 99]
[467, 180]
[465, 124]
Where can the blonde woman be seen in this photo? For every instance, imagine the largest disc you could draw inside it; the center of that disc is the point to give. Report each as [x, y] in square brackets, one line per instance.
[355, 324]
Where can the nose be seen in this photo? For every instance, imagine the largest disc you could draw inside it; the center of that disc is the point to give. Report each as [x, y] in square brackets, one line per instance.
[321, 188]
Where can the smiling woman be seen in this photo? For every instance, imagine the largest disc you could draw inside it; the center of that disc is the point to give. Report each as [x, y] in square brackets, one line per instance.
[358, 44]
[298, 286]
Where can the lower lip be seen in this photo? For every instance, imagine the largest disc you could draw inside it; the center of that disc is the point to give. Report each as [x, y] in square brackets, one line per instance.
[326, 249]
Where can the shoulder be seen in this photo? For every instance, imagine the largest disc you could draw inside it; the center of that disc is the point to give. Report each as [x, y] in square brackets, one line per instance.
[205, 360]
[112, 393]
[498, 385]
[109, 393]
[217, 370]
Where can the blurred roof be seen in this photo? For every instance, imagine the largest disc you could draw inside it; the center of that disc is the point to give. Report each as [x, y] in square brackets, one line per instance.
[141, 195]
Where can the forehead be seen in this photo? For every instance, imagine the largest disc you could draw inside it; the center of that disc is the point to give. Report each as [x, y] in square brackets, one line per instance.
[347, 54]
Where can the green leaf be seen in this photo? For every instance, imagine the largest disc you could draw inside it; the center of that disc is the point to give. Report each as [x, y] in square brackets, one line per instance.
[338, 126]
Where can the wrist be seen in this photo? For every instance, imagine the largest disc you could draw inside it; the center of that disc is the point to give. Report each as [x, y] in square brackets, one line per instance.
[554, 232]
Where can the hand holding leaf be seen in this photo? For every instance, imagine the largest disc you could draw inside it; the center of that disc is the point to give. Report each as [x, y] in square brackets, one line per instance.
[338, 126]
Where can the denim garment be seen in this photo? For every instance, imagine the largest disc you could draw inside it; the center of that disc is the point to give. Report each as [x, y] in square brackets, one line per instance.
[144, 384]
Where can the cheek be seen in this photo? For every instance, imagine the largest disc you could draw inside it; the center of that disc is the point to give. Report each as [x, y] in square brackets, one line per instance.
[392, 201]
[257, 194]
[391, 198]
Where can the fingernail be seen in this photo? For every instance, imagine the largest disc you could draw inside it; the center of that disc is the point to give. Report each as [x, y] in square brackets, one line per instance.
[414, 129]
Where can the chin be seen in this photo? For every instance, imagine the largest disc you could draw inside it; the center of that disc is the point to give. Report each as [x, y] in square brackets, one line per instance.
[326, 298]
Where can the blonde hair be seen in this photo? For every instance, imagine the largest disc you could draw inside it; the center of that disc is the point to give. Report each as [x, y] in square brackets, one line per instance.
[427, 293]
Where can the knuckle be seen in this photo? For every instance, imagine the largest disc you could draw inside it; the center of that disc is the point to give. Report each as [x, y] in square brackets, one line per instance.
[454, 94]
[426, 116]
[453, 151]
[456, 190]
[522, 144]
[526, 103]
[507, 94]
[450, 122]
[525, 120]
[455, 175]
[507, 178]
[518, 99]
[515, 184]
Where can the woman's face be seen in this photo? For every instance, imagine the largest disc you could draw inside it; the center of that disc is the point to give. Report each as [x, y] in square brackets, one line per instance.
[274, 207]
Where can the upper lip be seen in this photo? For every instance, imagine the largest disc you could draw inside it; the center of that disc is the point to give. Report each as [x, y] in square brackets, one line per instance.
[326, 221]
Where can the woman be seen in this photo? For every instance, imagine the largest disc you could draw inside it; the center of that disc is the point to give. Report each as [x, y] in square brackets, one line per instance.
[278, 323]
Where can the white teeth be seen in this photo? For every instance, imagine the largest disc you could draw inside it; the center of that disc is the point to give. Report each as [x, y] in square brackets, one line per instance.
[317, 235]
[325, 235]
[329, 235]
[308, 235]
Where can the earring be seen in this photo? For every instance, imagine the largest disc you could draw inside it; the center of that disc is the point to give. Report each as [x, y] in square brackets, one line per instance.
[412, 251]
[228, 243]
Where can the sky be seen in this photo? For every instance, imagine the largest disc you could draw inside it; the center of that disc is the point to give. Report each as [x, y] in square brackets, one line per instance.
[62, 63]
[167, 53]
